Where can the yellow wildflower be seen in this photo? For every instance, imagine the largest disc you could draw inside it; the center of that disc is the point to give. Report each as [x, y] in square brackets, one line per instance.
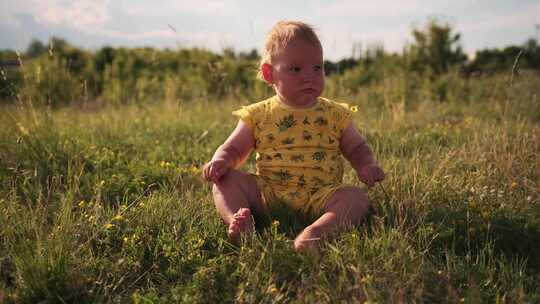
[118, 217]
[22, 129]
[165, 164]
[272, 289]
[354, 109]
[195, 170]
[109, 226]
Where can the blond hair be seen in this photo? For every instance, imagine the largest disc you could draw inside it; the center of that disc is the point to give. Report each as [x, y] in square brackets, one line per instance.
[283, 33]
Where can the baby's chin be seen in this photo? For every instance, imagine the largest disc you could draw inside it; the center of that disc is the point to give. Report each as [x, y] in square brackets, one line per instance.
[309, 97]
[305, 101]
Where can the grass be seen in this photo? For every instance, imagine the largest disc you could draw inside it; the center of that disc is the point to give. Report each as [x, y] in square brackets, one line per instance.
[107, 205]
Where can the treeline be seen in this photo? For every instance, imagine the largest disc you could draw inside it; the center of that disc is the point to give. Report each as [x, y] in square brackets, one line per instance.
[58, 73]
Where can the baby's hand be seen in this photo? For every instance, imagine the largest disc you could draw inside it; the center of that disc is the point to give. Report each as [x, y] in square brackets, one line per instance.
[215, 169]
[370, 174]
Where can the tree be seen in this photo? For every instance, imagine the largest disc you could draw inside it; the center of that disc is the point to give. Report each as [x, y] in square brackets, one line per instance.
[57, 44]
[532, 54]
[103, 57]
[35, 49]
[496, 60]
[435, 49]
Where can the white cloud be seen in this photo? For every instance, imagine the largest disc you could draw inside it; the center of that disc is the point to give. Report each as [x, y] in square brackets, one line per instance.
[527, 16]
[9, 9]
[212, 40]
[81, 14]
[91, 16]
[216, 41]
[193, 7]
[137, 35]
[379, 8]
[339, 43]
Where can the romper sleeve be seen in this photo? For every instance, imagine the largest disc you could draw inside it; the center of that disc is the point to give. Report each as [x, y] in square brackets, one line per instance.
[252, 114]
[343, 115]
[246, 115]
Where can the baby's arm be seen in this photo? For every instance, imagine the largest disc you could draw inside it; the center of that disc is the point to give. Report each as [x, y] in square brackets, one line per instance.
[357, 152]
[231, 154]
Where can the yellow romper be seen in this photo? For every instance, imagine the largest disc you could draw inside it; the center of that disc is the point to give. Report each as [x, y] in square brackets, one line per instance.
[298, 158]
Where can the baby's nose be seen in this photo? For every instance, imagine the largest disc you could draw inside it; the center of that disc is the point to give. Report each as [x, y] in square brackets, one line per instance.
[308, 75]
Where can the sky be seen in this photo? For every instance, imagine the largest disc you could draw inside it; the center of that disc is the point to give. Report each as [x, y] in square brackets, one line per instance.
[243, 24]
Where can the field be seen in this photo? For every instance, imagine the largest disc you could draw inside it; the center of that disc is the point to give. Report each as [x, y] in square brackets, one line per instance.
[106, 204]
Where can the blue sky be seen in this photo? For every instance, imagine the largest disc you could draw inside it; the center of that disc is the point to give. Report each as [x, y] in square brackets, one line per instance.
[242, 24]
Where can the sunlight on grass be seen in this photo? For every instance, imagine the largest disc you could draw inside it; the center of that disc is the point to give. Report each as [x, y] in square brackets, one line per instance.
[108, 206]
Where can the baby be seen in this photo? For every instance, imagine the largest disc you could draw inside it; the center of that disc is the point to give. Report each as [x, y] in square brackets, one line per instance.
[299, 138]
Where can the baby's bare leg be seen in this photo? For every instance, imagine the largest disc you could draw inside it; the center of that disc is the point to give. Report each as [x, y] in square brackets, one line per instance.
[236, 196]
[343, 209]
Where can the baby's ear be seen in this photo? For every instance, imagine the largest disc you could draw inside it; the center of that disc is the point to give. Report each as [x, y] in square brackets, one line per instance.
[267, 73]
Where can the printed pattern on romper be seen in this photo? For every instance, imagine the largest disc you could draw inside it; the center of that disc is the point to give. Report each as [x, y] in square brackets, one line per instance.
[298, 149]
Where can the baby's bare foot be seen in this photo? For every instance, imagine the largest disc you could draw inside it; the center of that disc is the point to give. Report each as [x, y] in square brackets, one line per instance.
[242, 223]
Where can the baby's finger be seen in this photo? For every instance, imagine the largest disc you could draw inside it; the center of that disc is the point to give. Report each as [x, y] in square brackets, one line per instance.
[365, 177]
[215, 176]
[370, 183]
[379, 176]
[206, 173]
[218, 174]
[371, 179]
[212, 174]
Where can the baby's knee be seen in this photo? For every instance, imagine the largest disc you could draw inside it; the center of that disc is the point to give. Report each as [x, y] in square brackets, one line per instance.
[360, 198]
[352, 198]
[236, 180]
[232, 176]
[356, 194]
[227, 181]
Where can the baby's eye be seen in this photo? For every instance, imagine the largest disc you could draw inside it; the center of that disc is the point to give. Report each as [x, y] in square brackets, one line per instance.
[295, 69]
[317, 68]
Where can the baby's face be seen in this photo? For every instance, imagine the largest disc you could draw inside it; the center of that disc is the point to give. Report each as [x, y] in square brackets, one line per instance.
[298, 74]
